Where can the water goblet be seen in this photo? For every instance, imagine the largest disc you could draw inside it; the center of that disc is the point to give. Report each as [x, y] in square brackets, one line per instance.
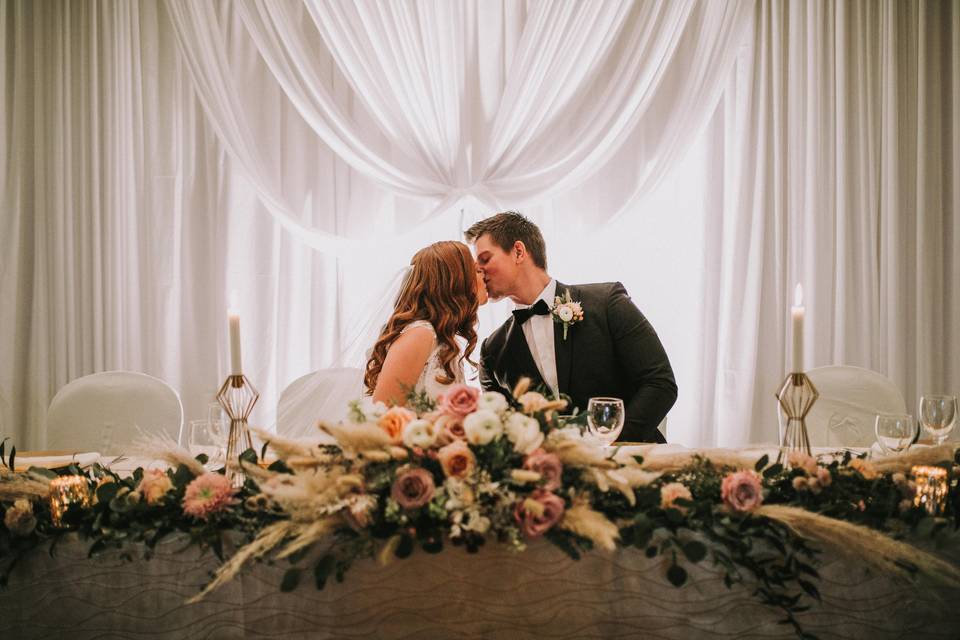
[208, 437]
[938, 415]
[605, 417]
[895, 433]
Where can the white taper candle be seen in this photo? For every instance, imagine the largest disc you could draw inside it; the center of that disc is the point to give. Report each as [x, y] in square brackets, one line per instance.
[797, 312]
[233, 315]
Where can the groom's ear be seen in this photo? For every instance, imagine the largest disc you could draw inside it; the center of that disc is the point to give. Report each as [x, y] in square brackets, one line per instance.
[519, 251]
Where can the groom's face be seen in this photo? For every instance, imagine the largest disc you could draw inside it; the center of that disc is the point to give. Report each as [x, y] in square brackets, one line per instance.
[498, 267]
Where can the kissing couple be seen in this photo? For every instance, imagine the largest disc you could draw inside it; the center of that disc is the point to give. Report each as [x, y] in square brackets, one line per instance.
[582, 340]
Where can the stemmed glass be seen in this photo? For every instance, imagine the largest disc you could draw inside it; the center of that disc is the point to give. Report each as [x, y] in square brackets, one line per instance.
[605, 418]
[938, 415]
[895, 433]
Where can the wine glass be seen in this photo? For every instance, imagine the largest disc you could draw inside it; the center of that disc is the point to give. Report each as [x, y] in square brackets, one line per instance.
[605, 418]
[209, 437]
[938, 415]
[895, 433]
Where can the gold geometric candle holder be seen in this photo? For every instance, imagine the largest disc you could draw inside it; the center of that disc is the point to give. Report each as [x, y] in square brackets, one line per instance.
[931, 488]
[237, 397]
[796, 397]
[65, 492]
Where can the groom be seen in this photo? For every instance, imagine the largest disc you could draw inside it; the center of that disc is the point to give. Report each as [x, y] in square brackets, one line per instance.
[612, 351]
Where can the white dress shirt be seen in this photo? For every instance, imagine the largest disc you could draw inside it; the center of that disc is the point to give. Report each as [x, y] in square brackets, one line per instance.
[538, 331]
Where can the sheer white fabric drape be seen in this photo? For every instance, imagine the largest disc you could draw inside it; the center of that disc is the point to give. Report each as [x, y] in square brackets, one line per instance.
[579, 79]
[840, 133]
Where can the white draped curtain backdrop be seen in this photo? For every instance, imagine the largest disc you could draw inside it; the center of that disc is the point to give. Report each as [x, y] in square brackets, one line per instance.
[158, 155]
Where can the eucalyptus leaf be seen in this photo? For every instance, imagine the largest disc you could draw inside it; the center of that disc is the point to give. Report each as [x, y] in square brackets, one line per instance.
[290, 580]
[762, 462]
[405, 547]
[694, 550]
[677, 575]
[322, 570]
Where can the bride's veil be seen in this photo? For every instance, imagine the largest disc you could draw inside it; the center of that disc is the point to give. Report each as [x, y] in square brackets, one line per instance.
[325, 394]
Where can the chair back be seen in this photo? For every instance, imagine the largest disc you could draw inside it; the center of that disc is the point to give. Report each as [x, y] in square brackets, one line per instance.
[108, 411]
[850, 399]
[321, 395]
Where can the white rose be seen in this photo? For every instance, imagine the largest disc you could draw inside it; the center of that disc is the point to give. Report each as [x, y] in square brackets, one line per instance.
[419, 433]
[492, 401]
[482, 426]
[565, 313]
[524, 432]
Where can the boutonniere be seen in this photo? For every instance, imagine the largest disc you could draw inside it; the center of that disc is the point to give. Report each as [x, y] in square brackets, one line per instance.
[566, 312]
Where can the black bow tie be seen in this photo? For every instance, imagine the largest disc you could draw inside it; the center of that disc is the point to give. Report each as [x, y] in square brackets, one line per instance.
[539, 309]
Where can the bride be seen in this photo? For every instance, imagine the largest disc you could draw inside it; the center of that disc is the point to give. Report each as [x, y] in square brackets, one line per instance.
[417, 348]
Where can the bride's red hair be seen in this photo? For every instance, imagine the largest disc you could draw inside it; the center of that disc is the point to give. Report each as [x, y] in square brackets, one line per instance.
[441, 288]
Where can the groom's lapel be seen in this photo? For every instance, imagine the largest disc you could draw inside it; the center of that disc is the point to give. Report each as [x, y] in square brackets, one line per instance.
[516, 360]
[563, 349]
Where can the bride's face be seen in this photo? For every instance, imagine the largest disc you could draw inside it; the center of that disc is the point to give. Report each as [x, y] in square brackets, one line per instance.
[481, 289]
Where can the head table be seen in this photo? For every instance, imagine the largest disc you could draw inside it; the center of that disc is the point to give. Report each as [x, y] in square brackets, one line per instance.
[495, 593]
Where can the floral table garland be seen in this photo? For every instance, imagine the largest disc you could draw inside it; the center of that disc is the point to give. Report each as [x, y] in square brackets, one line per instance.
[472, 467]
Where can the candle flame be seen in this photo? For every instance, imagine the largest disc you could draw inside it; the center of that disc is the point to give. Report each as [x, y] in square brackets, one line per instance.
[798, 296]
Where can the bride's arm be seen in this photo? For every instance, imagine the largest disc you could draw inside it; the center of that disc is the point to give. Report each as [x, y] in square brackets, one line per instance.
[403, 365]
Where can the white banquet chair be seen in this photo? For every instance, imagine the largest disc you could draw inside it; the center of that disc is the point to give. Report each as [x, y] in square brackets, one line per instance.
[110, 410]
[320, 395]
[850, 399]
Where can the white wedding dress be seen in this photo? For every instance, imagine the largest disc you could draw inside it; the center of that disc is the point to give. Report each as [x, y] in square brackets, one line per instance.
[433, 367]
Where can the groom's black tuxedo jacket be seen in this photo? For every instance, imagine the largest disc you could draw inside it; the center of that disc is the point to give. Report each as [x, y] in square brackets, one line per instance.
[613, 351]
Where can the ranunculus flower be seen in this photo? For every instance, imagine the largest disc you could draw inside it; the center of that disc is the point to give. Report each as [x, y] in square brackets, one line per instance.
[742, 491]
[482, 427]
[670, 493]
[460, 400]
[208, 494]
[548, 465]
[800, 460]
[537, 514]
[449, 429]
[154, 485]
[524, 432]
[492, 401]
[413, 488]
[393, 422]
[866, 469]
[457, 460]
[824, 477]
[800, 483]
[19, 518]
[565, 314]
[532, 401]
[419, 433]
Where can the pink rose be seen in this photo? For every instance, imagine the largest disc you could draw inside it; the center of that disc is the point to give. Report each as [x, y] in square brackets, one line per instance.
[537, 514]
[450, 429]
[457, 460]
[547, 465]
[742, 491]
[413, 488]
[459, 401]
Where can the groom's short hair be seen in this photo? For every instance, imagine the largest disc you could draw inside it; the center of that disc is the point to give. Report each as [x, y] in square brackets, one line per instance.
[508, 227]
